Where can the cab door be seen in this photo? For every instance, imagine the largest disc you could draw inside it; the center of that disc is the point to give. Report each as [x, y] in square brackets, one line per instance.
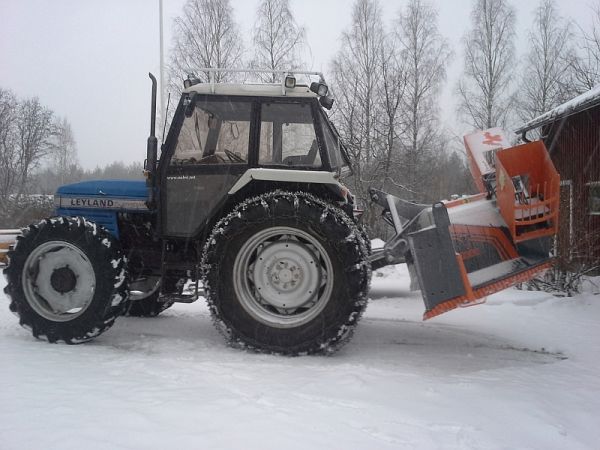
[209, 152]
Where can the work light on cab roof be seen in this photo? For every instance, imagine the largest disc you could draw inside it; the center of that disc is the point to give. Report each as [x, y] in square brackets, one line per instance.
[289, 82]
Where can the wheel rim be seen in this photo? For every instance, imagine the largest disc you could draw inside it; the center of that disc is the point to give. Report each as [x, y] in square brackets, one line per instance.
[283, 277]
[58, 281]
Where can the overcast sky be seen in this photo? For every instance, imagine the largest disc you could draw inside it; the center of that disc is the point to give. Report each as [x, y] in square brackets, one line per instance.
[88, 60]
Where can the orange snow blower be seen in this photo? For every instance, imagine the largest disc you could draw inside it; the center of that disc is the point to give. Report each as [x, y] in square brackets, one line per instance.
[460, 251]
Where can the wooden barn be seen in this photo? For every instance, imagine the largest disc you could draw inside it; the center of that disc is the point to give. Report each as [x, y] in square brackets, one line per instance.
[571, 133]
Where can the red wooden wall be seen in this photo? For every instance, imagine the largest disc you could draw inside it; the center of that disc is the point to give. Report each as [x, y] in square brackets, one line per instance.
[574, 145]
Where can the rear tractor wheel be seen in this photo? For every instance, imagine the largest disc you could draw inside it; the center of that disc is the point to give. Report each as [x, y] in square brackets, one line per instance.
[66, 280]
[286, 273]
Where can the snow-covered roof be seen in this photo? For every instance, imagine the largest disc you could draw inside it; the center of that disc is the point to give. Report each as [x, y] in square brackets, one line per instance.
[580, 103]
[260, 90]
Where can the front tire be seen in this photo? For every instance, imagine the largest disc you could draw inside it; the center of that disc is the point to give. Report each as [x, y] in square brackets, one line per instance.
[66, 280]
[286, 273]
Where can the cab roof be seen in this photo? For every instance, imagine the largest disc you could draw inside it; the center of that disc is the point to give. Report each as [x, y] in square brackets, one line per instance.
[250, 90]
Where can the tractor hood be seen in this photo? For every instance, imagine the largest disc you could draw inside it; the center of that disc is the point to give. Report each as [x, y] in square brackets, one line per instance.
[107, 195]
[105, 188]
[100, 201]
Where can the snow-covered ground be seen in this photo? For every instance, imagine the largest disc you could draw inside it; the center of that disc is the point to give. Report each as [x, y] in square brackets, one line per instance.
[522, 371]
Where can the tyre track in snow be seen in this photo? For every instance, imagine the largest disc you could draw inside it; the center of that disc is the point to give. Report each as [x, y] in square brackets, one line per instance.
[171, 381]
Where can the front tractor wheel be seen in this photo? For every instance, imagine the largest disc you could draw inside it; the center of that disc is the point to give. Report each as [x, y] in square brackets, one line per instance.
[286, 273]
[66, 280]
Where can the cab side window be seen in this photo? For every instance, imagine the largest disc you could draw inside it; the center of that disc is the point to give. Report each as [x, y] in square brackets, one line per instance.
[217, 132]
[287, 135]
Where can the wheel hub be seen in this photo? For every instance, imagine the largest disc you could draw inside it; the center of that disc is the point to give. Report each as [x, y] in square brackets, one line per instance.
[58, 280]
[63, 280]
[286, 274]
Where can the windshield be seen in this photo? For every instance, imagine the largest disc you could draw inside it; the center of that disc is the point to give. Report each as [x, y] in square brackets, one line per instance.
[335, 148]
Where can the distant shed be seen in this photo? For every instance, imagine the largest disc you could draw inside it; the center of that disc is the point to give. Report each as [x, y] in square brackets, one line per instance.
[571, 132]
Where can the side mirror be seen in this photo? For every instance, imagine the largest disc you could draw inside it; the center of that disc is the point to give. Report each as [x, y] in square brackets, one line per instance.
[320, 89]
[326, 102]
[189, 104]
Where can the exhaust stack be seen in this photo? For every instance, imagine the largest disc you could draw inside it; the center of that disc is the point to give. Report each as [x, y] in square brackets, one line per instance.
[151, 149]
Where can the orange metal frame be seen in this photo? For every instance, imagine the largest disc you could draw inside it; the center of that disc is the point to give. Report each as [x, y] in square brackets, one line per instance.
[538, 217]
[477, 296]
[464, 200]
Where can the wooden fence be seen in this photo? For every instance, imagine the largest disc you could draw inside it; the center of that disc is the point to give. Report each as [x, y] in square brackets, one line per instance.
[7, 238]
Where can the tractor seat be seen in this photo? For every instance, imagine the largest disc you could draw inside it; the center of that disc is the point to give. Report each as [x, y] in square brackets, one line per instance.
[303, 160]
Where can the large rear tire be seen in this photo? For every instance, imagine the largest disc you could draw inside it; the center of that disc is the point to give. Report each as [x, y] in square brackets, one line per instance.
[286, 273]
[66, 280]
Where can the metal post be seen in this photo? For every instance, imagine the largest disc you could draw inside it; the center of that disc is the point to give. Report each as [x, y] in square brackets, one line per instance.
[162, 64]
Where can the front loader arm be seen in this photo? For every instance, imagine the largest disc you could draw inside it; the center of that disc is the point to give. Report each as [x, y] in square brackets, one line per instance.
[403, 216]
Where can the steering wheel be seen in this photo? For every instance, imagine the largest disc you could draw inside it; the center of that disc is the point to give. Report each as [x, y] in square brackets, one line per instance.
[212, 159]
[233, 157]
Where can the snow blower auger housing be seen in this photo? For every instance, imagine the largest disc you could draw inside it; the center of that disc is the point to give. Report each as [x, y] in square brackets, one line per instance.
[459, 252]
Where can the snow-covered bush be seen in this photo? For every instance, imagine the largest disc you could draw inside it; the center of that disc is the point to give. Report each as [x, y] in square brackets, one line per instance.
[25, 210]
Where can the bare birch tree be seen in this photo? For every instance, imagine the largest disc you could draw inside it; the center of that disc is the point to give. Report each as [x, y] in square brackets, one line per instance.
[25, 131]
[205, 35]
[63, 151]
[585, 64]
[425, 54]
[34, 129]
[8, 146]
[389, 126]
[357, 79]
[544, 81]
[484, 92]
[278, 40]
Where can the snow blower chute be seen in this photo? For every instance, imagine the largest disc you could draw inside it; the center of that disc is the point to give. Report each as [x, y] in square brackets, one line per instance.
[460, 251]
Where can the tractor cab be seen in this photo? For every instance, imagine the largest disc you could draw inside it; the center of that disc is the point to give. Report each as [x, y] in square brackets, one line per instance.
[225, 135]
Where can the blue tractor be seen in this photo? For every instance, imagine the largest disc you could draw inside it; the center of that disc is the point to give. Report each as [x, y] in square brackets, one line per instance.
[246, 197]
